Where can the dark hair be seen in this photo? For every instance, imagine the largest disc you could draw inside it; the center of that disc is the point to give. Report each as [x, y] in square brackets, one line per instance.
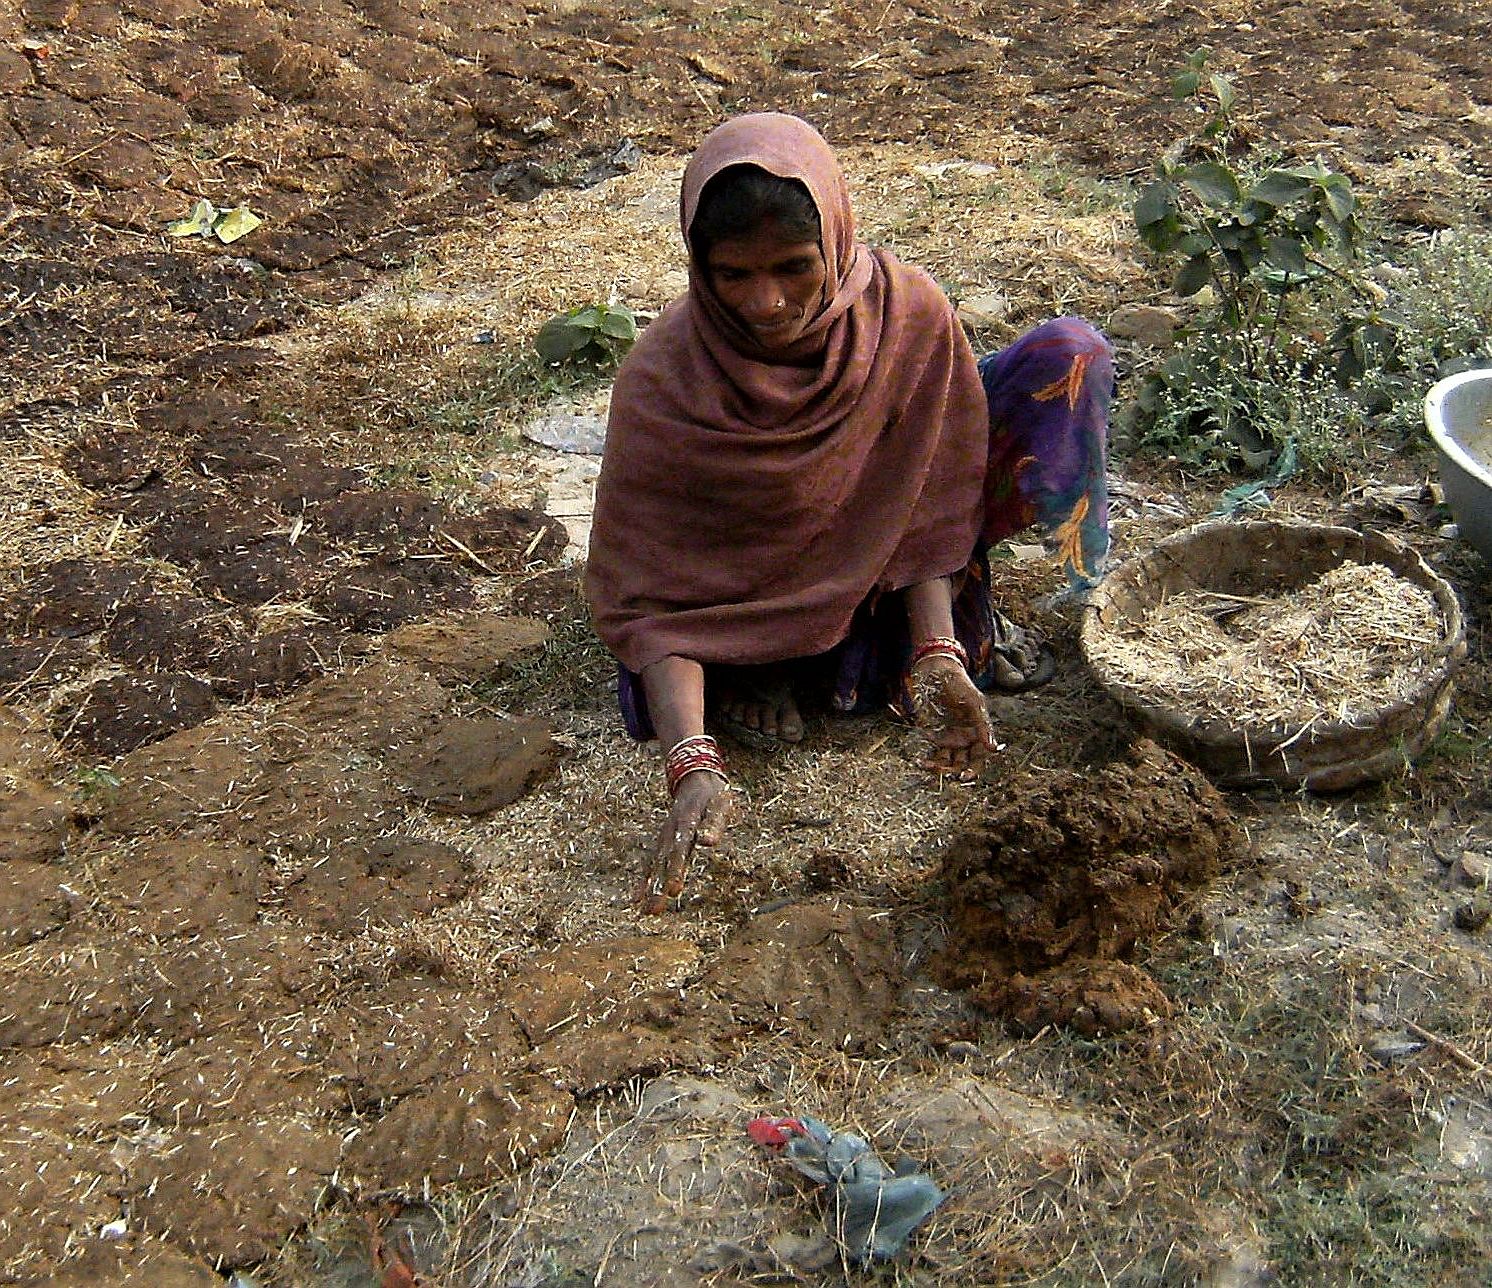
[738, 200]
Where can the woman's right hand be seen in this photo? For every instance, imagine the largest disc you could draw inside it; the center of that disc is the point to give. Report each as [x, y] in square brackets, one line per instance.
[948, 709]
[701, 813]
[703, 803]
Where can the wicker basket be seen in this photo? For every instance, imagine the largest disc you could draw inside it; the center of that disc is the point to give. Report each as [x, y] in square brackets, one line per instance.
[1271, 558]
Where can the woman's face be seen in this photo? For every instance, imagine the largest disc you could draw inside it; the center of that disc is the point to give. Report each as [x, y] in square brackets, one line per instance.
[773, 286]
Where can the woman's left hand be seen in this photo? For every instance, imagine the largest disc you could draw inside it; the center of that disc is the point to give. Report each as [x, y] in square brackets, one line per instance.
[952, 716]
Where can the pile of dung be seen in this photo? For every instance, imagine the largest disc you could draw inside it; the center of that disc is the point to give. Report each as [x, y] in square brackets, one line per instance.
[1049, 895]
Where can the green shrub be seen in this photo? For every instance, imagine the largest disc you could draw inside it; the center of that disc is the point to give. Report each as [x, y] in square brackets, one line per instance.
[1208, 406]
[1441, 292]
[1285, 321]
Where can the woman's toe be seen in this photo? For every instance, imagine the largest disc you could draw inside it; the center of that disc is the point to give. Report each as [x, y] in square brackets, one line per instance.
[1007, 674]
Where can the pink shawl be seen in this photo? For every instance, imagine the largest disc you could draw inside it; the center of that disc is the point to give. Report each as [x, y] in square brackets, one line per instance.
[749, 502]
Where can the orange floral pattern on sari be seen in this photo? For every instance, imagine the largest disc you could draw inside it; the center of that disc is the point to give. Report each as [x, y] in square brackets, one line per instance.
[1068, 539]
[1070, 385]
[1049, 398]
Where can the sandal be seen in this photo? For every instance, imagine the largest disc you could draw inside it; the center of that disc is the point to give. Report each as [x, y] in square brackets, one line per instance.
[1029, 660]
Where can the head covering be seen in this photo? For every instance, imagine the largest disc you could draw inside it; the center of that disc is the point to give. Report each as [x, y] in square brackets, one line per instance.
[750, 500]
[790, 149]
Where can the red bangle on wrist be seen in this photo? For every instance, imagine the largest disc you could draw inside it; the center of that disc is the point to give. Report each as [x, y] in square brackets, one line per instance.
[939, 646]
[697, 754]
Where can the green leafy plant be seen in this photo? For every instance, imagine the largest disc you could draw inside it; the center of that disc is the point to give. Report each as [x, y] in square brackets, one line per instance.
[1269, 251]
[1253, 240]
[591, 339]
[1188, 83]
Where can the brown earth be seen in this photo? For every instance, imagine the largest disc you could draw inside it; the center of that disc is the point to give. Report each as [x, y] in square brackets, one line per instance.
[355, 129]
[35, 817]
[225, 917]
[476, 766]
[470, 649]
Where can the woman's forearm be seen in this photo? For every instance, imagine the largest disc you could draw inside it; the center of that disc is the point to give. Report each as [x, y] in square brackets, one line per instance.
[675, 689]
[929, 610]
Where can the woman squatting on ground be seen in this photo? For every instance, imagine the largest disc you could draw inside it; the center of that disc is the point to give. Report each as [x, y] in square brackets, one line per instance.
[805, 468]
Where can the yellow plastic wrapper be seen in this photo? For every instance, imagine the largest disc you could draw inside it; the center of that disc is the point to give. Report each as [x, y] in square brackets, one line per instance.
[235, 223]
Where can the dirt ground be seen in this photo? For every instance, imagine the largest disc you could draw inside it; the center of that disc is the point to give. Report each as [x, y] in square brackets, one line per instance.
[317, 830]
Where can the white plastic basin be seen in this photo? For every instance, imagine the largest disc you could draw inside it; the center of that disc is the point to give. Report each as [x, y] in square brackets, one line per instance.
[1458, 414]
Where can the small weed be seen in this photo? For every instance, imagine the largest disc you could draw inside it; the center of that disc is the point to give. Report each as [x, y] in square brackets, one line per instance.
[1395, 1230]
[443, 474]
[591, 339]
[1079, 194]
[466, 414]
[96, 781]
[1458, 741]
[572, 353]
[521, 376]
[1441, 291]
[1204, 407]
[573, 672]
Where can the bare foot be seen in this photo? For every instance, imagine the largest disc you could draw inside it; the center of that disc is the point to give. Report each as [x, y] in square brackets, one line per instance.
[950, 713]
[1020, 659]
[756, 706]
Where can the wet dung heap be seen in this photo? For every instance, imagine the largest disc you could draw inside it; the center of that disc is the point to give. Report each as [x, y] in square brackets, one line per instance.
[1069, 871]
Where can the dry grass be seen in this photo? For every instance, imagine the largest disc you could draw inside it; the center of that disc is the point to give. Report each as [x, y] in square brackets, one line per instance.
[563, 864]
[48, 515]
[1287, 1116]
[1342, 647]
[660, 1185]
